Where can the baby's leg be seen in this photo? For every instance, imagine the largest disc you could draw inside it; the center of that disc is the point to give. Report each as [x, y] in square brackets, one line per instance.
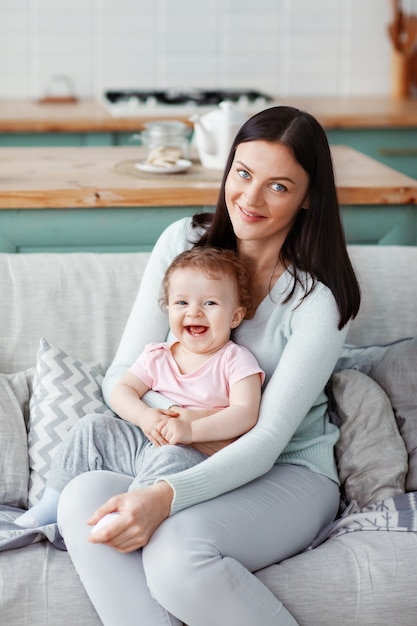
[157, 462]
[96, 442]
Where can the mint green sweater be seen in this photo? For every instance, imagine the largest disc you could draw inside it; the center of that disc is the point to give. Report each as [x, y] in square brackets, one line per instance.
[297, 347]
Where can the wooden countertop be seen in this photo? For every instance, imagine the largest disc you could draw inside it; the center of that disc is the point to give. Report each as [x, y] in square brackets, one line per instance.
[20, 116]
[33, 178]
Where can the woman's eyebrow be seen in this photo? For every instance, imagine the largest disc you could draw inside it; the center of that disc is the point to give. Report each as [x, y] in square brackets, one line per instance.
[243, 165]
[278, 177]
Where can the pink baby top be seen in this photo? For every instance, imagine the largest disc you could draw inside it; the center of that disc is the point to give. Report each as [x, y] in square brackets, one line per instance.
[206, 387]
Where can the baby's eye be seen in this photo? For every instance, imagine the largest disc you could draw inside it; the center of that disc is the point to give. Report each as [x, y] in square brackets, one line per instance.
[243, 174]
[210, 303]
[278, 187]
[181, 302]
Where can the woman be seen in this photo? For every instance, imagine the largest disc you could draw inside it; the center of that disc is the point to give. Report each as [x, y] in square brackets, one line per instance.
[264, 497]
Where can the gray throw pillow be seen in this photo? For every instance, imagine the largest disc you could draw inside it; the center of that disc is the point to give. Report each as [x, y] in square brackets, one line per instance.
[14, 409]
[370, 454]
[394, 368]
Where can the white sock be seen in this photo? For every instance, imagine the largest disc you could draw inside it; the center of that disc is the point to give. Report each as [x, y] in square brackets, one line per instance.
[44, 512]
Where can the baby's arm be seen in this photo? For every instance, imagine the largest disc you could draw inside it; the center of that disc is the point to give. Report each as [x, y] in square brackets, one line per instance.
[126, 401]
[235, 420]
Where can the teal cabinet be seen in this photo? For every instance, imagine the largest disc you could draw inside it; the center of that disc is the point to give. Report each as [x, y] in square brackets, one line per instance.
[94, 230]
[56, 140]
[137, 228]
[395, 147]
[125, 139]
[71, 140]
[380, 225]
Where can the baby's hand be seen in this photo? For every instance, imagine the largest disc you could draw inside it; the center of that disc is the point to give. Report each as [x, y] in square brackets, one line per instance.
[177, 431]
[152, 422]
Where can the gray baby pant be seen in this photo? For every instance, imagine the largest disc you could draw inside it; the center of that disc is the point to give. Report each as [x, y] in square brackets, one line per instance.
[100, 442]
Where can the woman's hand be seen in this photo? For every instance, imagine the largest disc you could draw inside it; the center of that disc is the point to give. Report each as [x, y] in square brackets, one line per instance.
[189, 415]
[140, 514]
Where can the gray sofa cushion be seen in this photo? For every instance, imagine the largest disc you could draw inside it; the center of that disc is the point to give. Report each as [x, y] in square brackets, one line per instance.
[14, 409]
[388, 281]
[39, 586]
[79, 301]
[358, 579]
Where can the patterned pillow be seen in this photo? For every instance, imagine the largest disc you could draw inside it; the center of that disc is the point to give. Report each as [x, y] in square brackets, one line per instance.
[64, 389]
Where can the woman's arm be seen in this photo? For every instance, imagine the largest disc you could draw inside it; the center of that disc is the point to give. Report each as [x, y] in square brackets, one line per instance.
[147, 321]
[296, 385]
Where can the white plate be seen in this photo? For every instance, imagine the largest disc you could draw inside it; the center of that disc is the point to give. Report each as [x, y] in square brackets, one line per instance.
[180, 166]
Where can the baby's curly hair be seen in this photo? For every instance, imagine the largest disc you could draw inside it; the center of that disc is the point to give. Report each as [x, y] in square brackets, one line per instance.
[213, 263]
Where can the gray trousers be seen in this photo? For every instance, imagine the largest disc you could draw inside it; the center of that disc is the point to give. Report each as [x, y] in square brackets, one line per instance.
[199, 564]
[100, 442]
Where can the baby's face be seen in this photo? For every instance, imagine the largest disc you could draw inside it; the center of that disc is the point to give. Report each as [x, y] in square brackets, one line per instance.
[203, 310]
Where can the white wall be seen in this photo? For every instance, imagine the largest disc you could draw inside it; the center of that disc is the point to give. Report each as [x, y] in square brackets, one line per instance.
[284, 47]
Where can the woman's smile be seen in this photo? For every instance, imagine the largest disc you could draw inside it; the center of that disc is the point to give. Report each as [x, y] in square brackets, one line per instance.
[249, 215]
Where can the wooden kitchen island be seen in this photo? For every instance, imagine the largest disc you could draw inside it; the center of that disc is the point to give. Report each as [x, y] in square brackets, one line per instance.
[381, 127]
[95, 199]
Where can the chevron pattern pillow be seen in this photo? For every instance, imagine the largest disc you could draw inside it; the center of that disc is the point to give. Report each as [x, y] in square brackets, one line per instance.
[64, 390]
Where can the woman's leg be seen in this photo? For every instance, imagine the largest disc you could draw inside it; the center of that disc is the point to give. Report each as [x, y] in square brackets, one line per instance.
[115, 582]
[198, 564]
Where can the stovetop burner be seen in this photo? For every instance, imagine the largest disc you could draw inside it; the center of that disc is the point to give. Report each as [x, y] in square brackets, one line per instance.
[196, 97]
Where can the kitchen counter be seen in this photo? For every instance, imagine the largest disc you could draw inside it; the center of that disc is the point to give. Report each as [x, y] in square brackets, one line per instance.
[106, 177]
[65, 199]
[89, 116]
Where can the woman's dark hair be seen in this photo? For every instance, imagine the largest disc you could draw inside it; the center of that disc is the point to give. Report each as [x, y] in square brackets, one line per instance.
[316, 242]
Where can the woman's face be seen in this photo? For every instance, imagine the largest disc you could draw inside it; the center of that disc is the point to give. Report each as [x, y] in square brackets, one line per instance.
[264, 190]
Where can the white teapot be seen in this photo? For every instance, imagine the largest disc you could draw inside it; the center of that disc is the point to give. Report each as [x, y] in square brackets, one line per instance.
[215, 132]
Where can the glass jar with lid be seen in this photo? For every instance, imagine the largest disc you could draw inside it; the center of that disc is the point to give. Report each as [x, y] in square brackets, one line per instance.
[167, 134]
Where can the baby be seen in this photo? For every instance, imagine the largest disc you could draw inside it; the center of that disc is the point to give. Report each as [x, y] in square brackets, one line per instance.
[214, 384]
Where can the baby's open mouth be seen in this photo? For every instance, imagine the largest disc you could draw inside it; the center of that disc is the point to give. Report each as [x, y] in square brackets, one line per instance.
[196, 331]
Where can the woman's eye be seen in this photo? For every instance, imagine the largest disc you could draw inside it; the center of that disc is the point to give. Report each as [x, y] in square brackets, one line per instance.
[243, 174]
[278, 187]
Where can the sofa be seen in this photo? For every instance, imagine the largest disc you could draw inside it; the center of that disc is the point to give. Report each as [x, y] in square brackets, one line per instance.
[61, 318]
